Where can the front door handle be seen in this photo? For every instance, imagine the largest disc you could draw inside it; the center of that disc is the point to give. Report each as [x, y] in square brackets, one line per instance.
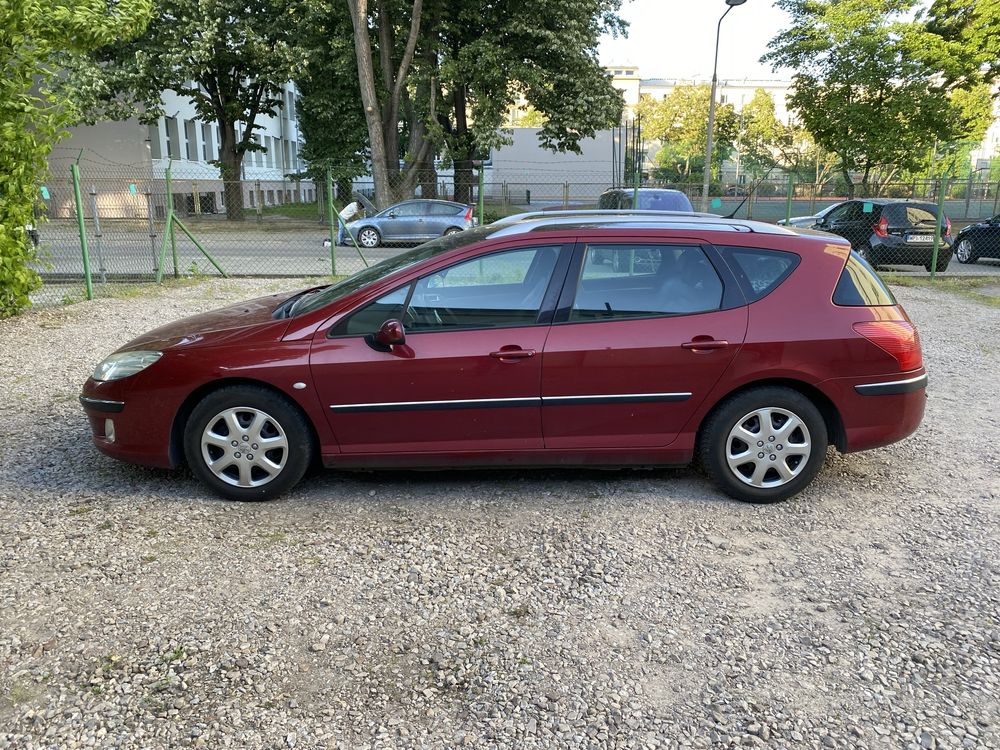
[704, 344]
[508, 353]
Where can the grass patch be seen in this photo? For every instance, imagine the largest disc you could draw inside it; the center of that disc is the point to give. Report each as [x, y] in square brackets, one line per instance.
[969, 287]
[80, 510]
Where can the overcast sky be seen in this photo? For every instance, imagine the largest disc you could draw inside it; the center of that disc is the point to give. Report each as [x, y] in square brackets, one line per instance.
[676, 38]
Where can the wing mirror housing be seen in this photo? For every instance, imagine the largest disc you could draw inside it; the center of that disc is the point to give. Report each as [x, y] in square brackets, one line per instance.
[389, 334]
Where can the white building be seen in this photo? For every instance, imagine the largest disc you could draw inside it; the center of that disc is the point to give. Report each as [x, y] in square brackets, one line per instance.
[125, 162]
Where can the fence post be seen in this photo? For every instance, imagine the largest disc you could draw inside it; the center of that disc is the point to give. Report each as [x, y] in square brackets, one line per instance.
[996, 199]
[88, 281]
[332, 222]
[968, 195]
[152, 228]
[258, 200]
[170, 224]
[97, 235]
[482, 183]
[937, 228]
[788, 199]
[565, 195]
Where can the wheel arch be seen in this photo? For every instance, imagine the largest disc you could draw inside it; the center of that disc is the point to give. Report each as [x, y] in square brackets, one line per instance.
[176, 450]
[836, 434]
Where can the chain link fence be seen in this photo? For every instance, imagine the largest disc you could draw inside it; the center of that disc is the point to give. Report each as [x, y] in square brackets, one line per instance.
[107, 227]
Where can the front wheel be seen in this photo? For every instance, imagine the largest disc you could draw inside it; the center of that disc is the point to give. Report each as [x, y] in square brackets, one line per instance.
[965, 252]
[369, 237]
[763, 445]
[247, 443]
[451, 230]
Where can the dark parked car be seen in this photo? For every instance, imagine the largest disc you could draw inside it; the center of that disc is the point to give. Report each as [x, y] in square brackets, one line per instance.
[980, 240]
[650, 199]
[891, 232]
[508, 345]
[412, 221]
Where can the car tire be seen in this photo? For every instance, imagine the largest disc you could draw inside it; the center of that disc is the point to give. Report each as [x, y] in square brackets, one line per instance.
[942, 263]
[741, 464]
[965, 251]
[452, 230]
[264, 418]
[369, 237]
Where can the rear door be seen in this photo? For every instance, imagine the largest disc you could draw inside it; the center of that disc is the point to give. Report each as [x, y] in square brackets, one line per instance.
[441, 217]
[643, 332]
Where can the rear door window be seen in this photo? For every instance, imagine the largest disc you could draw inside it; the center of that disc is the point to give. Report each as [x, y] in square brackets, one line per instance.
[634, 281]
[443, 209]
[759, 272]
[860, 286]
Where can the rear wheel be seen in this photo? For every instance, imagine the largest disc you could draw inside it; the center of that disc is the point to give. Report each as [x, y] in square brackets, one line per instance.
[369, 237]
[942, 263]
[965, 252]
[247, 443]
[763, 445]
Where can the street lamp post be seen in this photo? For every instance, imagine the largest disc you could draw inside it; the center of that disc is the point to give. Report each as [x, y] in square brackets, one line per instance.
[711, 108]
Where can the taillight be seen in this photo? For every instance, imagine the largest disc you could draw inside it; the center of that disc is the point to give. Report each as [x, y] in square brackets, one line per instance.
[882, 228]
[895, 337]
[468, 214]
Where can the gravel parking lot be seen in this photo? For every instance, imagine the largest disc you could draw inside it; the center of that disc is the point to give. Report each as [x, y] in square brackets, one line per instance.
[508, 609]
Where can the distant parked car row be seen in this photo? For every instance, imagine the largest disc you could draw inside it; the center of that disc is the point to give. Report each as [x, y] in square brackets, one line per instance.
[886, 231]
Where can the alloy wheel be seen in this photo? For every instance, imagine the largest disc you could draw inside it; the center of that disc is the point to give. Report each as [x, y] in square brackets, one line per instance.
[768, 447]
[244, 447]
[964, 251]
[368, 238]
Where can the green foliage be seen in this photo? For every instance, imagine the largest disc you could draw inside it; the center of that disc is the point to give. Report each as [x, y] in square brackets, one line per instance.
[33, 116]
[680, 122]
[867, 88]
[965, 44]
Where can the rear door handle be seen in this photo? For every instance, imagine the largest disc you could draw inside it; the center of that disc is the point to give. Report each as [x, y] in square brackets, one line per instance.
[704, 344]
[514, 352]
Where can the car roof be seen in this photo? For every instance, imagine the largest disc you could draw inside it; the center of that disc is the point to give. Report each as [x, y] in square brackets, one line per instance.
[643, 190]
[630, 219]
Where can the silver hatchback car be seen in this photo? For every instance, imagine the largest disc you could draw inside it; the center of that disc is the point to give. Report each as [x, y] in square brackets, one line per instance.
[411, 221]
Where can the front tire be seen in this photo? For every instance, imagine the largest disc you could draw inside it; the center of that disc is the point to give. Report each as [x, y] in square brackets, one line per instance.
[763, 445]
[247, 443]
[965, 252]
[451, 230]
[369, 238]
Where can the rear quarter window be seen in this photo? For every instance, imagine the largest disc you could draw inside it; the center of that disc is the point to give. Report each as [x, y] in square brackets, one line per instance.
[860, 286]
[759, 272]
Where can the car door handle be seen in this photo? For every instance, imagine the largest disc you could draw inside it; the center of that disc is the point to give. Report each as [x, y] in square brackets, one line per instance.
[704, 344]
[506, 354]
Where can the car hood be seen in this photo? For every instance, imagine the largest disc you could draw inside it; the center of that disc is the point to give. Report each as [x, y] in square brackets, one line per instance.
[217, 326]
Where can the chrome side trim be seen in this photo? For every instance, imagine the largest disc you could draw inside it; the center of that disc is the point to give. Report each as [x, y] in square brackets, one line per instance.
[493, 403]
[893, 387]
[102, 404]
[467, 403]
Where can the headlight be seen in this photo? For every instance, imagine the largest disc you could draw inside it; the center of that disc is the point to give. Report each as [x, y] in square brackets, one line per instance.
[123, 364]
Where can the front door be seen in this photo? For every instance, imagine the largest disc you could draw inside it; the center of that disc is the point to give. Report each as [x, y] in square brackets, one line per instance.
[645, 339]
[469, 375]
[405, 221]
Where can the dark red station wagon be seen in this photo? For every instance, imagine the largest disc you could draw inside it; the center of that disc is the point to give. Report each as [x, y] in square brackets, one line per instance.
[564, 339]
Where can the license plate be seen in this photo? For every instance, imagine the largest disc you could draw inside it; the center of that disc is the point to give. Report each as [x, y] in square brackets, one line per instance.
[920, 238]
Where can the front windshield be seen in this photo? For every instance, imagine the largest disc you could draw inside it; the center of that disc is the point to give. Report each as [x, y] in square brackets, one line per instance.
[388, 266]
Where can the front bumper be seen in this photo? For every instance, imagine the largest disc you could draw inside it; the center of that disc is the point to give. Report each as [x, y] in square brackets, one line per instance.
[139, 434]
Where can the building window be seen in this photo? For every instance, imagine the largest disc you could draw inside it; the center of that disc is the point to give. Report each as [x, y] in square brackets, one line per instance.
[251, 199]
[153, 133]
[295, 157]
[270, 197]
[173, 138]
[207, 150]
[191, 136]
[630, 72]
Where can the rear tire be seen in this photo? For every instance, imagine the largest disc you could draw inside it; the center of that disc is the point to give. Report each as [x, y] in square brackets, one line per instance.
[275, 454]
[763, 445]
[942, 263]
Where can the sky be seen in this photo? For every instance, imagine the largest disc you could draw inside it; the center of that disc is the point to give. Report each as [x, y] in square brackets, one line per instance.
[676, 38]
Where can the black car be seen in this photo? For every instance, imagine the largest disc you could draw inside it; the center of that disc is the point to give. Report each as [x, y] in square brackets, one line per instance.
[891, 232]
[649, 199]
[977, 241]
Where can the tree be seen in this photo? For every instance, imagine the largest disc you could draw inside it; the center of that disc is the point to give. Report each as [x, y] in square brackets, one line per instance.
[861, 90]
[443, 75]
[33, 115]
[765, 143]
[680, 122]
[967, 47]
[230, 57]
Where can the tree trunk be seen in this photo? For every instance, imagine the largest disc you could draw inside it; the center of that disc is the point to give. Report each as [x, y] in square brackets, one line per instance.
[462, 149]
[845, 173]
[230, 163]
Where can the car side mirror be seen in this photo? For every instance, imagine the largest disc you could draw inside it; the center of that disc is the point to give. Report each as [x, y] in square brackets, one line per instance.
[390, 334]
[392, 214]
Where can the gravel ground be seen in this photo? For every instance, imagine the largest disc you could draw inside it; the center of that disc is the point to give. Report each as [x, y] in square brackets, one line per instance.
[495, 609]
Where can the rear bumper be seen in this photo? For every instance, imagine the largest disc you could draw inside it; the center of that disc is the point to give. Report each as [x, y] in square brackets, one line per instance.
[878, 411]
